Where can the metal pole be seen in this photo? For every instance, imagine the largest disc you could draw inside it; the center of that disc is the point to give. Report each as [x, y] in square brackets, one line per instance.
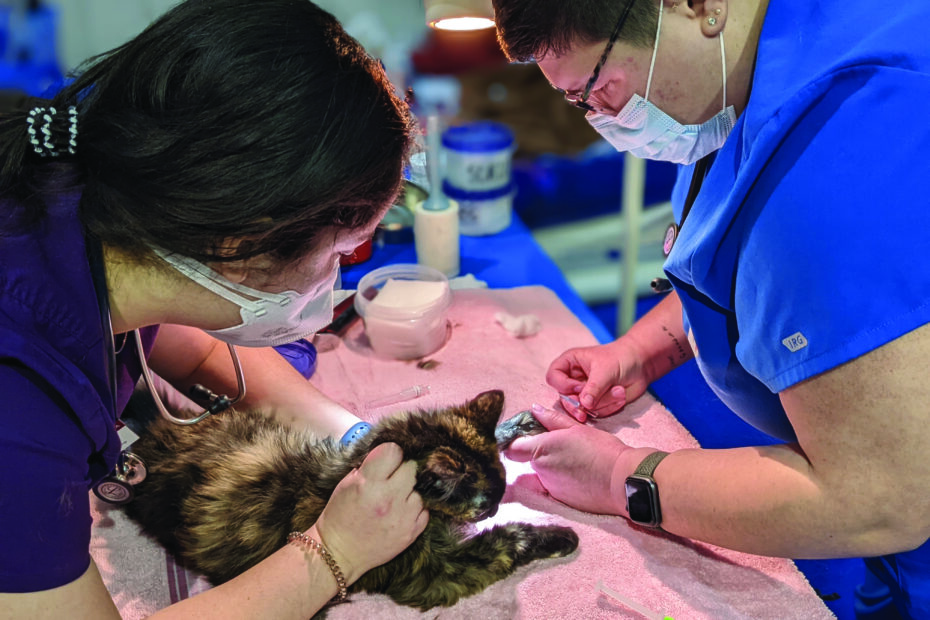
[634, 184]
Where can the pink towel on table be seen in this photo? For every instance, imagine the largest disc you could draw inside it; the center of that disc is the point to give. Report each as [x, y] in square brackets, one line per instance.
[660, 572]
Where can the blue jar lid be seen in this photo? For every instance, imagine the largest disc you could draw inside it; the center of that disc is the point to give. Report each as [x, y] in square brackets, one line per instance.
[478, 137]
[456, 193]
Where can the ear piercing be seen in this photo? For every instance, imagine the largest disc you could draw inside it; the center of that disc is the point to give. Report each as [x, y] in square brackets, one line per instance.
[712, 21]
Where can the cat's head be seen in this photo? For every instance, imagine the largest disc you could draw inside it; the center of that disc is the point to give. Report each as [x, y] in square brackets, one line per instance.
[459, 471]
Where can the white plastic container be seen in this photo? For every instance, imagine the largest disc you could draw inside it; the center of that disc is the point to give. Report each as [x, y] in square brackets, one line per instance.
[404, 308]
[478, 156]
[436, 237]
[482, 213]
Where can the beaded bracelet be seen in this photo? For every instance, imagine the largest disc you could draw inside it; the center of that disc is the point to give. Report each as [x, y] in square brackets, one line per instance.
[302, 541]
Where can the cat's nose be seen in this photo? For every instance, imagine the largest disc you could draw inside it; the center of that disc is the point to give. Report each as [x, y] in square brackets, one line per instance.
[486, 509]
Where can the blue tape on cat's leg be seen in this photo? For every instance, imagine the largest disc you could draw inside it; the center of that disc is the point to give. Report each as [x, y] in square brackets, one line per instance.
[358, 430]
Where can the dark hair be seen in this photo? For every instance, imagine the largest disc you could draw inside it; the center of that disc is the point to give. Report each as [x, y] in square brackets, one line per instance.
[531, 29]
[259, 120]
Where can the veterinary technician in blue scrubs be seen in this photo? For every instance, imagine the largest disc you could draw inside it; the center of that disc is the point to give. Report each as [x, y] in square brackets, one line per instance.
[800, 274]
[254, 137]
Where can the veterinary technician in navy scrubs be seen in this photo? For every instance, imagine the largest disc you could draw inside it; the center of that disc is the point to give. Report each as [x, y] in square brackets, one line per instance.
[799, 270]
[194, 187]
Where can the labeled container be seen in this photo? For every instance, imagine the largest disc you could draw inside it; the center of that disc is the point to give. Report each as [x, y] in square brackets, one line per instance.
[482, 213]
[405, 310]
[478, 156]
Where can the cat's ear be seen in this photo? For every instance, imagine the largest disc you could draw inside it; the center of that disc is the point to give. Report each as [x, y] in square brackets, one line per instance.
[486, 409]
[443, 467]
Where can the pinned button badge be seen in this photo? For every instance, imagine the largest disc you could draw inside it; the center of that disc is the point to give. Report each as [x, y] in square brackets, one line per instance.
[671, 233]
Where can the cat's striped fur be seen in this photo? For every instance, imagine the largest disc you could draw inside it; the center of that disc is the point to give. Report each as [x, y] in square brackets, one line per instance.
[223, 494]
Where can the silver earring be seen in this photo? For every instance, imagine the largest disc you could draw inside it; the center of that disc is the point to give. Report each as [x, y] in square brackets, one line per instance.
[712, 21]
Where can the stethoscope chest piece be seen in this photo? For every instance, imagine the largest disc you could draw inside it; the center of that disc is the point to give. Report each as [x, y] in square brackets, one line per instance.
[117, 487]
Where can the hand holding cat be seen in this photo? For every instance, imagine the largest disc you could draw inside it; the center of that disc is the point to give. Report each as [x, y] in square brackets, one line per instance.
[575, 462]
[373, 514]
[604, 378]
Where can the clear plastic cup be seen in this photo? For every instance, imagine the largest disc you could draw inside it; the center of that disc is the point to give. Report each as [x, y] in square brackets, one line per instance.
[404, 308]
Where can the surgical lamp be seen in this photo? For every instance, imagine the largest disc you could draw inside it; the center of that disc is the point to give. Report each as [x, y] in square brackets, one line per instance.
[459, 14]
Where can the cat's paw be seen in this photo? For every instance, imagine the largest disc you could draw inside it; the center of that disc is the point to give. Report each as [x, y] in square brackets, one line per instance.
[537, 542]
[553, 541]
[519, 425]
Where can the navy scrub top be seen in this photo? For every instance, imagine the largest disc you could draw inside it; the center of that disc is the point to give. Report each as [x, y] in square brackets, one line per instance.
[57, 435]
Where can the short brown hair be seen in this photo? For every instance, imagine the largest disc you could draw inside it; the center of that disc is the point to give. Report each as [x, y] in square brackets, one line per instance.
[531, 29]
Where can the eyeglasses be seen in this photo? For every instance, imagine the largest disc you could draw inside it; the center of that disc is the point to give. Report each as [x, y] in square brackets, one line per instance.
[580, 100]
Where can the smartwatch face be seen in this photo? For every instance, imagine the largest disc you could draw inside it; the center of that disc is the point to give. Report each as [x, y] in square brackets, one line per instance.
[642, 498]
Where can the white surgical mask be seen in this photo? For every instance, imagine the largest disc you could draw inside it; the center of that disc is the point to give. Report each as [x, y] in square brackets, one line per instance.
[268, 319]
[649, 133]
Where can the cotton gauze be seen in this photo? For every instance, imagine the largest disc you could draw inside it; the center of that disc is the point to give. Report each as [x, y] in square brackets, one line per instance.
[409, 293]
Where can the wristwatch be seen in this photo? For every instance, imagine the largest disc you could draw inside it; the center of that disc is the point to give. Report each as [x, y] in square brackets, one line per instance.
[642, 494]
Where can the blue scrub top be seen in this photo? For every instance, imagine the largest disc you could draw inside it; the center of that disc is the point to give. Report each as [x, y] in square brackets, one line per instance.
[807, 246]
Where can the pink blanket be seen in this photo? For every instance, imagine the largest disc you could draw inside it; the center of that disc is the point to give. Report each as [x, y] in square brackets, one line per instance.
[663, 574]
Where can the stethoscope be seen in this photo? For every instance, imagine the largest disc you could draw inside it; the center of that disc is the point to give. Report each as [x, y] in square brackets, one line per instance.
[662, 285]
[117, 487]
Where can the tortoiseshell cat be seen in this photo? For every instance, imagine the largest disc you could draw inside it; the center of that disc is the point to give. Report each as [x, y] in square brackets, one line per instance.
[223, 494]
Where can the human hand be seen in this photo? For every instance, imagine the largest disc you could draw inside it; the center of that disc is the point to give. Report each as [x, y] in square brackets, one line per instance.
[575, 462]
[600, 379]
[374, 513]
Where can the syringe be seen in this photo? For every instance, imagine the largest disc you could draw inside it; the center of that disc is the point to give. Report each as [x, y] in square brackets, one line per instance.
[409, 394]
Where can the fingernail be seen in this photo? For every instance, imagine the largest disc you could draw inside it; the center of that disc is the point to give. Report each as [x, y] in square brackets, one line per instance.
[571, 401]
[617, 391]
[587, 400]
[537, 408]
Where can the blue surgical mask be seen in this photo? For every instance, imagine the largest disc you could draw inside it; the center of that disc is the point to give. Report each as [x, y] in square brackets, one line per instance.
[649, 133]
[268, 319]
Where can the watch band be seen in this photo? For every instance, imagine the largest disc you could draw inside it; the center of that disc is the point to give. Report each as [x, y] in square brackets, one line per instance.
[649, 464]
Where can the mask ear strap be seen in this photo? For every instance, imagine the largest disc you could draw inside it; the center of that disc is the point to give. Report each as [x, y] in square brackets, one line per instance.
[211, 280]
[723, 62]
[655, 48]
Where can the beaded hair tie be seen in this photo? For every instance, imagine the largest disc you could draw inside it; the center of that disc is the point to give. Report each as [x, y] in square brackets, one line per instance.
[51, 124]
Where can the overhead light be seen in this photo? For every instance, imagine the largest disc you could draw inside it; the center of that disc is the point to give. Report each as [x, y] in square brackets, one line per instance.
[459, 14]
